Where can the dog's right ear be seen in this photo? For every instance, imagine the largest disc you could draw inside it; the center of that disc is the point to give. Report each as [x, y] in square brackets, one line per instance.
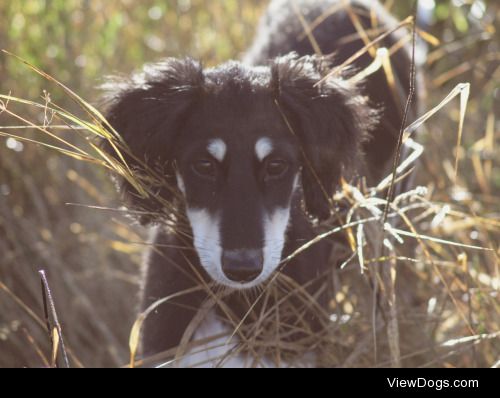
[147, 110]
[329, 116]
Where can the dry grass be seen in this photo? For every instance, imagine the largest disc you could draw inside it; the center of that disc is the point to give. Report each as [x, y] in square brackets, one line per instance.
[389, 305]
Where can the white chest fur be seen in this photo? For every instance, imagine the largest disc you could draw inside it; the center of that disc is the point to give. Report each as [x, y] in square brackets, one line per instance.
[219, 352]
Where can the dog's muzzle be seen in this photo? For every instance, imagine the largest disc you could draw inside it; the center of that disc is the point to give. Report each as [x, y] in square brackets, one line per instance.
[242, 266]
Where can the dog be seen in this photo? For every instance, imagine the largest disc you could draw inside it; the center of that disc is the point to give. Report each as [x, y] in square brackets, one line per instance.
[256, 150]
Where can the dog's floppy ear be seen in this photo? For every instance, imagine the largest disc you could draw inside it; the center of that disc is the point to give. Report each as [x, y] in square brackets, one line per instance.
[147, 111]
[330, 119]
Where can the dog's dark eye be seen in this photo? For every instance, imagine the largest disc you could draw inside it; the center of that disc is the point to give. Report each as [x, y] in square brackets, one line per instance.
[276, 168]
[205, 168]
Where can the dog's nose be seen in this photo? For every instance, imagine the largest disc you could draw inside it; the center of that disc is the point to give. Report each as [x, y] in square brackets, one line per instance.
[242, 265]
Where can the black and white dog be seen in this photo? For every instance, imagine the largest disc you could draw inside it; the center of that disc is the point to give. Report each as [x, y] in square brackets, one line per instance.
[256, 150]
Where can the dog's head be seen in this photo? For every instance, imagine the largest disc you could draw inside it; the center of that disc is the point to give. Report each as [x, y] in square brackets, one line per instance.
[239, 142]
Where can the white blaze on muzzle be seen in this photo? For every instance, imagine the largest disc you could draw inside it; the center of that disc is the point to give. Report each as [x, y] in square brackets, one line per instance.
[207, 242]
[275, 226]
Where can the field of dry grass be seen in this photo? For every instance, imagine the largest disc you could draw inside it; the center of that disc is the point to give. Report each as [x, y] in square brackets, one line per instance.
[59, 213]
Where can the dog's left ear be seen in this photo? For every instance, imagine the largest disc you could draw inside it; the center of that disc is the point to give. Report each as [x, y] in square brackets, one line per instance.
[330, 119]
[147, 110]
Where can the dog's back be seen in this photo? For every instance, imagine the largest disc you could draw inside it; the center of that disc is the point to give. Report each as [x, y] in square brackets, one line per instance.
[328, 27]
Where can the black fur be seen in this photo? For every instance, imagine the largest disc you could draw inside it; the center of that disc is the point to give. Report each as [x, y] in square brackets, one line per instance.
[281, 32]
[317, 111]
[343, 130]
[147, 110]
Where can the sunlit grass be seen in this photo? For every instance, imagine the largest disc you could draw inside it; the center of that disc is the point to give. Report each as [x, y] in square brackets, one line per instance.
[452, 281]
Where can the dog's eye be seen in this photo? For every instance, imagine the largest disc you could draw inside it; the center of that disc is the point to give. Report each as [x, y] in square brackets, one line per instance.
[276, 168]
[205, 168]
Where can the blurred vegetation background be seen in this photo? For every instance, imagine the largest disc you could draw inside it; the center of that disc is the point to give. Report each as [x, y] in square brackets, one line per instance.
[92, 256]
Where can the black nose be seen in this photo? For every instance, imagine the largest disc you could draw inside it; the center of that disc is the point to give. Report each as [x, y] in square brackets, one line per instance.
[242, 265]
